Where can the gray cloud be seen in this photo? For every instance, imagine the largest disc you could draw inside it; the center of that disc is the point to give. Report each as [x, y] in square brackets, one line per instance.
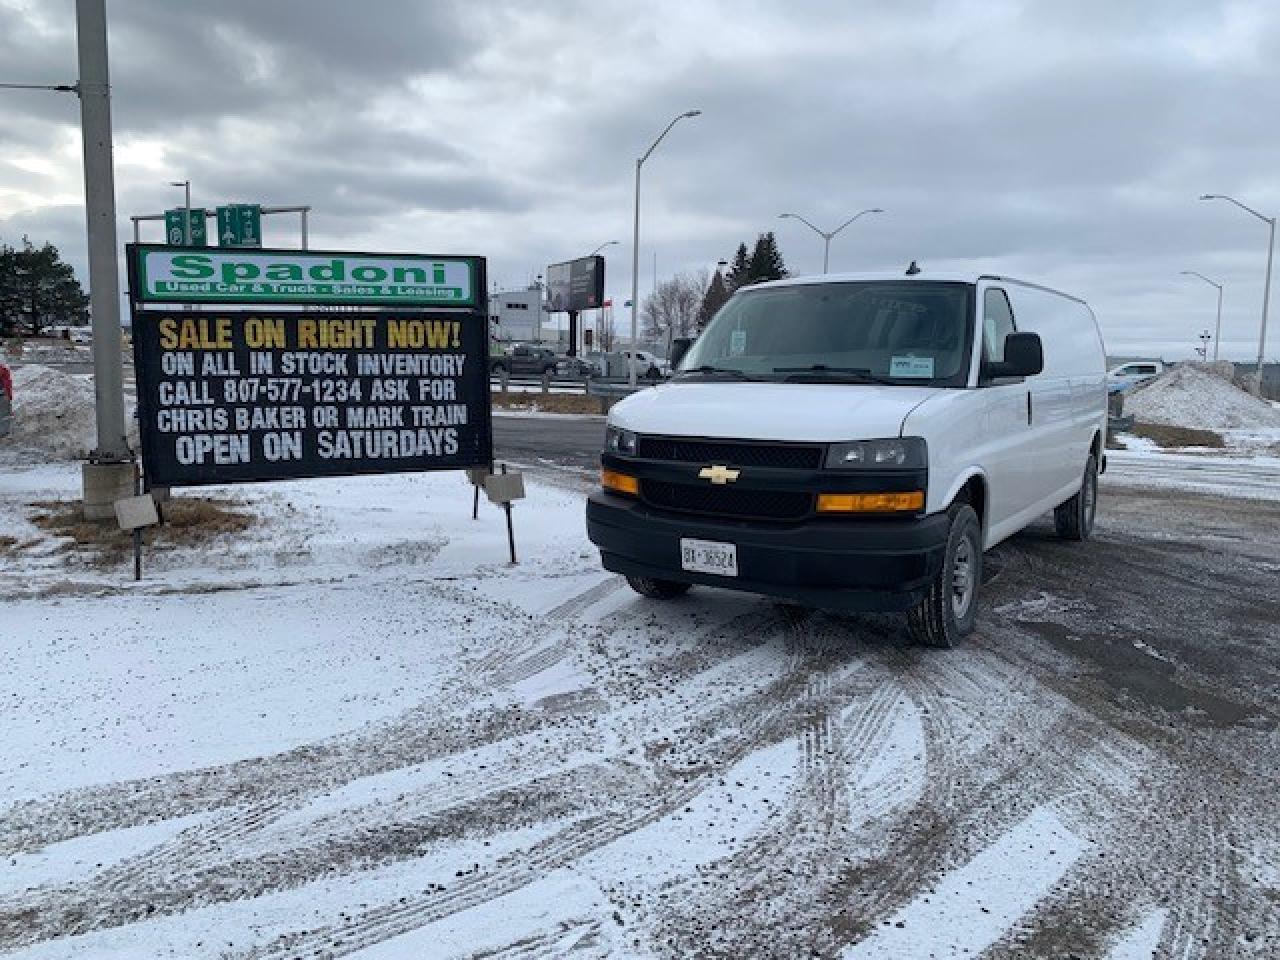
[1064, 142]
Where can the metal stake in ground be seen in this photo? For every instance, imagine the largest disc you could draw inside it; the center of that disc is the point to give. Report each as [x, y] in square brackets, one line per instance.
[502, 488]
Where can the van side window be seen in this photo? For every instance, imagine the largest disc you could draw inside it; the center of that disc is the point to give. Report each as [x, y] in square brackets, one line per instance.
[997, 323]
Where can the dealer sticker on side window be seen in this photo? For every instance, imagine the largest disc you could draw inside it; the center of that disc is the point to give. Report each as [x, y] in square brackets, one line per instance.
[921, 367]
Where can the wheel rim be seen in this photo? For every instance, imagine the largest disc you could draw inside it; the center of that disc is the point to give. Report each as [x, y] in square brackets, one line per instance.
[963, 577]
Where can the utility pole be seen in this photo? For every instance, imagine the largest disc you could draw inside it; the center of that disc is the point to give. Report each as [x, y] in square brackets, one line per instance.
[109, 474]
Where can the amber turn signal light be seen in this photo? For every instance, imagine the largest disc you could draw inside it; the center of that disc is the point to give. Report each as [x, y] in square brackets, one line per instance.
[617, 482]
[911, 501]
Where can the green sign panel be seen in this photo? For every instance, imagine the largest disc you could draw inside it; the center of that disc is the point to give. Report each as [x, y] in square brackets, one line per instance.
[240, 225]
[164, 275]
[175, 231]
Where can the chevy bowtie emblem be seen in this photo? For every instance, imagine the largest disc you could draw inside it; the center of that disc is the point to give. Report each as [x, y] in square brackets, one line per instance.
[719, 474]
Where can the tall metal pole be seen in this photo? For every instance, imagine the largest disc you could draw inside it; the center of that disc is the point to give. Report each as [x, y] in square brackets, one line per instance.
[1266, 298]
[1266, 289]
[186, 211]
[635, 247]
[635, 280]
[100, 216]
[1217, 330]
[826, 237]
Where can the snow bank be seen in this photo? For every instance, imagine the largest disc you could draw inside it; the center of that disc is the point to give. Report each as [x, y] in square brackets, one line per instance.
[1196, 396]
[53, 413]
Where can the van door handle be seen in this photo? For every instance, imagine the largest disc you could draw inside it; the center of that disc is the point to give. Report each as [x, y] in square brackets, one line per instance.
[1028, 408]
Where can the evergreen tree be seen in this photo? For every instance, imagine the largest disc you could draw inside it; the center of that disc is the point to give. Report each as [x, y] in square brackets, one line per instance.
[716, 296]
[739, 269]
[766, 259]
[39, 288]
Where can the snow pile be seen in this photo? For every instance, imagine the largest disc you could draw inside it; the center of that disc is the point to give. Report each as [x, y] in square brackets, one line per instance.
[1193, 396]
[53, 413]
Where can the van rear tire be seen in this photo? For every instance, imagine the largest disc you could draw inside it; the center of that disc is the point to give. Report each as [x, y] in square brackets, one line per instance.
[946, 613]
[658, 589]
[1074, 519]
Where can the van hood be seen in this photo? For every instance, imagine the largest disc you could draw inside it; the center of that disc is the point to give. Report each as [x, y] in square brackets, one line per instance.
[814, 412]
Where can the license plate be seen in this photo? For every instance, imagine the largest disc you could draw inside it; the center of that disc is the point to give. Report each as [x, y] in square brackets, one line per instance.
[708, 556]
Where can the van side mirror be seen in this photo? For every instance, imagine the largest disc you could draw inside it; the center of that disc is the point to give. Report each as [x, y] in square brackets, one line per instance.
[679, 347]
[1023, 357]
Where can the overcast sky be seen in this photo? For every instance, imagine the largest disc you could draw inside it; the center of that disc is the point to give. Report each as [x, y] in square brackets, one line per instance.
[1059, 142]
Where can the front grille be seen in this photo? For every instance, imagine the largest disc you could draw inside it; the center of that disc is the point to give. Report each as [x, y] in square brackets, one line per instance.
[732, 453]
[727, 501]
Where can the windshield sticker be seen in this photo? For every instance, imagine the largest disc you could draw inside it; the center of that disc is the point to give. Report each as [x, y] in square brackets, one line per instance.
[737, 343]
[911, 367]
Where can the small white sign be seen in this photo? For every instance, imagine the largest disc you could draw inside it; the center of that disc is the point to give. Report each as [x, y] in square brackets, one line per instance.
[135, 512]
[737, 343]
[921, 367]
[709, 556]
[504, 487]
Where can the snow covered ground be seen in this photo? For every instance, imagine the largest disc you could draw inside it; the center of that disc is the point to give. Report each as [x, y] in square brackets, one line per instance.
[356, 730]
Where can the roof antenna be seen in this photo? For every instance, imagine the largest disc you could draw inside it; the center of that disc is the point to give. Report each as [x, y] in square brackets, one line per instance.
[913, 269]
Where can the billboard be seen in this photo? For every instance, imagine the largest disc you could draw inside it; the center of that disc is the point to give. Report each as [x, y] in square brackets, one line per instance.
[227, 397]
[576, 284]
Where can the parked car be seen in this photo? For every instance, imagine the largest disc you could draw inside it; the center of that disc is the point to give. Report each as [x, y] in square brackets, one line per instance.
[1138, 371]
[576, 367]
[524, 359]
[6, 400]
[857, 443]
[647, 365]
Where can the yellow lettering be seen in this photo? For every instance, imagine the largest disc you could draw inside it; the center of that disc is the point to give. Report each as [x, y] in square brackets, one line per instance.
[168, 333]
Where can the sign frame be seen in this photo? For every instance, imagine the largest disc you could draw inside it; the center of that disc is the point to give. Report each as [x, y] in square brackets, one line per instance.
[137, 255]
[473, 315]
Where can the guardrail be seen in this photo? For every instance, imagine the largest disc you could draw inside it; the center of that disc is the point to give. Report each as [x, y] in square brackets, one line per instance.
[564, 383]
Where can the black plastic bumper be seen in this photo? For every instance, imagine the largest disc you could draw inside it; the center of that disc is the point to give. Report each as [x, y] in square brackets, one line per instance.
[836, 563]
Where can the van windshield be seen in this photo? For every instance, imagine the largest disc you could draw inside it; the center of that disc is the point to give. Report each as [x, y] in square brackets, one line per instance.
[898, 332]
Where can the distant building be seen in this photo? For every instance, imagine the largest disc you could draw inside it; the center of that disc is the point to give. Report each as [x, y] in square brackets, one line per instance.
[517, 315]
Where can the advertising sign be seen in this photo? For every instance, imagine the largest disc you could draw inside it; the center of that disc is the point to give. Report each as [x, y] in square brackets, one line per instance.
[160, 274]
[175, 230]
[240, 225]
[233, 396]
[576, 284]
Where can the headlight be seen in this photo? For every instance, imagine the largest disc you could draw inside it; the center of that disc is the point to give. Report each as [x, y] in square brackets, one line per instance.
[619, 441]
[898, 452]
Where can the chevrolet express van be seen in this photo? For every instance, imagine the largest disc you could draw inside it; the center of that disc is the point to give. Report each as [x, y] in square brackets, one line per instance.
[856, 442]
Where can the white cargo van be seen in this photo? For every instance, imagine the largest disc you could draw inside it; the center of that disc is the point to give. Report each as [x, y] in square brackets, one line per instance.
[857, 442]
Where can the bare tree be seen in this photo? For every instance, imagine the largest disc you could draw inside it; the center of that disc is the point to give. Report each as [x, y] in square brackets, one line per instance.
[672, 309]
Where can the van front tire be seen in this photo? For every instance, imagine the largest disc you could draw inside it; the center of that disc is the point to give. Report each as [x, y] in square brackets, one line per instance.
[946, 613]
[1074, 519]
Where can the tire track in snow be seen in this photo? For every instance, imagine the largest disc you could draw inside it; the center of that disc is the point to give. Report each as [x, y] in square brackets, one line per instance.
[765, 718]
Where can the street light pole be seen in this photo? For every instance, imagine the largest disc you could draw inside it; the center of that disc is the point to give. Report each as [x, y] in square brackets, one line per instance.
[607, 243]
[826, 236]
[1266, 289]
[1217, 335]
[635, 246]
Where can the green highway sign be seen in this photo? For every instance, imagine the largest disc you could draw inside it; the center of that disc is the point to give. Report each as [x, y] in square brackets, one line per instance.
[163, 275]
[175, 231]
[240, 225]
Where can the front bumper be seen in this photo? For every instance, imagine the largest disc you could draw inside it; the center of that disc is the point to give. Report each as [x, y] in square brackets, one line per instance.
[839, 563]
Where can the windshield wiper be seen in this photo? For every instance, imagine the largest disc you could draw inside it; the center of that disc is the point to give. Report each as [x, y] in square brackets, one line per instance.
[708, 370]
[821, 370]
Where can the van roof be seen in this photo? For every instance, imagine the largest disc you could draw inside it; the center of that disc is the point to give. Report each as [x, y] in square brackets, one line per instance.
[923, 277]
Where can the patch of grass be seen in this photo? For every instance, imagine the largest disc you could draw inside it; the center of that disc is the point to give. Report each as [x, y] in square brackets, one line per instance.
[188, 522]
[548, 402]
[1167, 436]
[7, 543]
